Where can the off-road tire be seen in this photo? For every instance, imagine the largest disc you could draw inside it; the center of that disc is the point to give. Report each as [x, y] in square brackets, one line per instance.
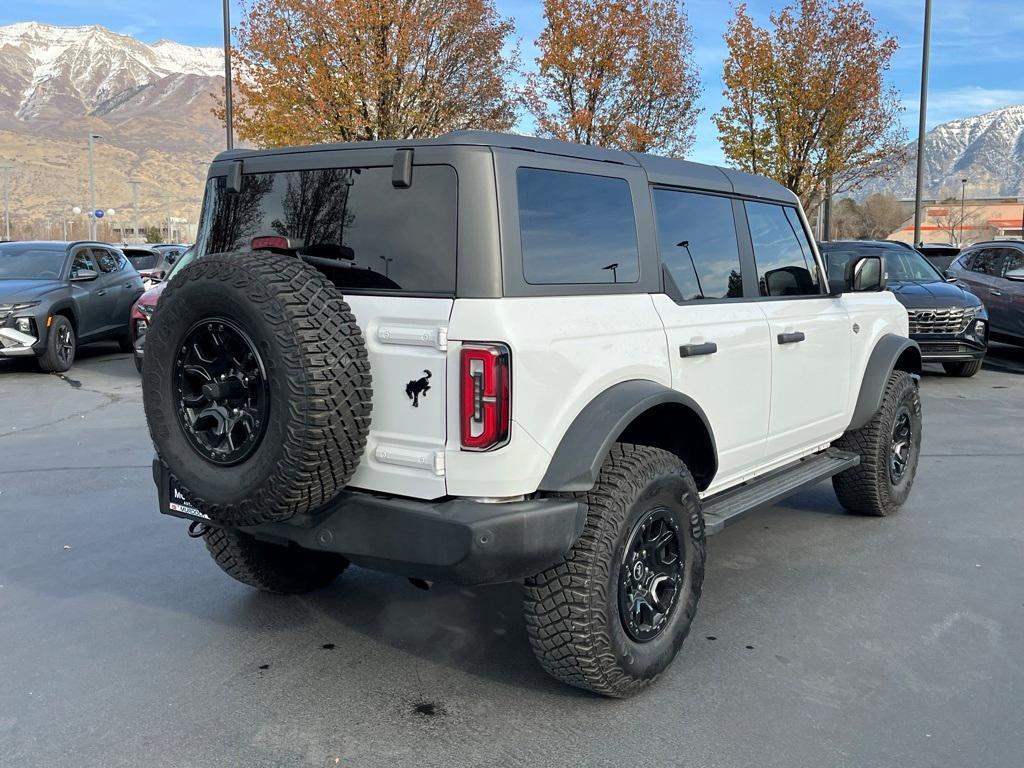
[50, 361]
[317, 374]
[138, 363]
[963, 370]
[868, 489]
[284, 570]
[572, 609]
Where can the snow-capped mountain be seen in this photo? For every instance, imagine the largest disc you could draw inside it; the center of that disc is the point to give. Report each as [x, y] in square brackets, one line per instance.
[987, 150]
[152, 104]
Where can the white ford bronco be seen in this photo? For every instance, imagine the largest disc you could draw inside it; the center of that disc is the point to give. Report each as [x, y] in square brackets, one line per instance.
[486, 358]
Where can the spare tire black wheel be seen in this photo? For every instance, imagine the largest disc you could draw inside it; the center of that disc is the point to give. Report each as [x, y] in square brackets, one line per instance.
[256, 387]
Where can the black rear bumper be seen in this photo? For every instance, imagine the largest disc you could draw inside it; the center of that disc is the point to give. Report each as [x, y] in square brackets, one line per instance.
[459, 540]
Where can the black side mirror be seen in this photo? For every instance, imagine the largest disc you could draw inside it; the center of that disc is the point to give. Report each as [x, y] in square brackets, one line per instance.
[866, 275]
[83, 275]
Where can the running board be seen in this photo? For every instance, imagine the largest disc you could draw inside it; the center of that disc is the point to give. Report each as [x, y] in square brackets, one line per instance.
[727, 507]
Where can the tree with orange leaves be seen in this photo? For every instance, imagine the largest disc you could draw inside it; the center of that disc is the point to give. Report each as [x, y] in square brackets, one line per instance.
[616, 73]
[806, 100]
[311, 71]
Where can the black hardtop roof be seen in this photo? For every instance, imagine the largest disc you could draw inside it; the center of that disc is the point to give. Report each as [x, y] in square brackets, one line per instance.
[660, 170]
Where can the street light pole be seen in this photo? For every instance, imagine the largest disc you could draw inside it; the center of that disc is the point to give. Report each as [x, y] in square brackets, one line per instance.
[92, 187]
[228, 112]
[963, 201]
[922, 118]
[134, 184]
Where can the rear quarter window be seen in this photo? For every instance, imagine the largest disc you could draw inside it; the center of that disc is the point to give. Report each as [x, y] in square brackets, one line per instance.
[576, 228]
[364, 233]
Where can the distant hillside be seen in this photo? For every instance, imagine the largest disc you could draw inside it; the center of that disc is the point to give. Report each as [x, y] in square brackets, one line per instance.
[151, 103]
[987, 150]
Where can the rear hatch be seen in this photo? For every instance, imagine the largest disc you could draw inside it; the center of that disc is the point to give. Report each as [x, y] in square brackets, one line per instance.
[392, 252]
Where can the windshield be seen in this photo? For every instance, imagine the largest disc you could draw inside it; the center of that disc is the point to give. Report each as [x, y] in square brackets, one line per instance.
[901, 264]
[184, 261]
[29, 261]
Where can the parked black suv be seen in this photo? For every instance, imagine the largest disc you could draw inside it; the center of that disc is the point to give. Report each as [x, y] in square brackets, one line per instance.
[948, 322]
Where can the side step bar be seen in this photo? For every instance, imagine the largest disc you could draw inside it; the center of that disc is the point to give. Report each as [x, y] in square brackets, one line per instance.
[727, 507]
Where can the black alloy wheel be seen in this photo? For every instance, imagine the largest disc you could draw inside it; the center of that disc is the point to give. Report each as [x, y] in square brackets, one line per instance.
[223, 397]
[650, 575]
[900, 445]
[65, 348]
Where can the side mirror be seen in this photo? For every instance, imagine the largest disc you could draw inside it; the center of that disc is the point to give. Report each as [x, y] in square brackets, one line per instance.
[1015, 274]
[867, 275]
[83, 275]
[170, 258]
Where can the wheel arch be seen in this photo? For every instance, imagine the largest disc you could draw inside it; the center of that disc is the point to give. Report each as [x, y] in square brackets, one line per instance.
[66, 308]
[637, 411]
[891, 353]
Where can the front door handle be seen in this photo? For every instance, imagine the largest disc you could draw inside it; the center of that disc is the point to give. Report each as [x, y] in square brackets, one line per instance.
[994, 292]
[794, 337]
[696, 350]
[102, 293]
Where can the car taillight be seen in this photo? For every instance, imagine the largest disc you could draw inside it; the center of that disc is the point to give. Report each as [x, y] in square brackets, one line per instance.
[485, 392]
[269, 243]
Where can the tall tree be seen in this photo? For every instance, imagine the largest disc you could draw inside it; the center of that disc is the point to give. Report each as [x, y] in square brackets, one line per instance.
[806, 99]
[311, 71]
[616, 73]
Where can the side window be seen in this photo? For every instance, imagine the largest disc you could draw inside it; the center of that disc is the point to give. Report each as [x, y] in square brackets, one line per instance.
[988, 261]
[697, 240]
[1014, 260]
[576, 228]
[83, 260]
[106, 260]
[785, 264]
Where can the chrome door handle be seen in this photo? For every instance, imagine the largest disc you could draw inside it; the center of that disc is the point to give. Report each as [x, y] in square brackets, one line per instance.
[102, 293]
[994, 292]
[696, 350]
[794, 337]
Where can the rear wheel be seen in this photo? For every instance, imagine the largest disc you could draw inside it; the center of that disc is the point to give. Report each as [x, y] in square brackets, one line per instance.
[964, 369]
[889, 446]
[612, 616]
[61, 346]
[271, 567]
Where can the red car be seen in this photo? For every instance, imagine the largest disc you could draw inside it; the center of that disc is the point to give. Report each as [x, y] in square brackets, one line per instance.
[143, 310]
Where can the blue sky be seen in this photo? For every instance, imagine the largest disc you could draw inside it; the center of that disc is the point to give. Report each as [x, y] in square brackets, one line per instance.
[977, 55]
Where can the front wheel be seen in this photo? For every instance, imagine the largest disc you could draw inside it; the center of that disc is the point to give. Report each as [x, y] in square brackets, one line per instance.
[889, 446]
[962, 370]
[612, 616]
[61, 346]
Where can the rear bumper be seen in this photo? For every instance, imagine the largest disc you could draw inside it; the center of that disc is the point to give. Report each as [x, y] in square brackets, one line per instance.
[458, 540]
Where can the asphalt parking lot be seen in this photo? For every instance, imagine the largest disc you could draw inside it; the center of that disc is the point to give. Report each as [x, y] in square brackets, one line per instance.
[822, 639]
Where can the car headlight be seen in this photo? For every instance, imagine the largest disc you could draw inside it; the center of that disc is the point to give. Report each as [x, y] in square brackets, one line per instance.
[8, 308]
[25, 325]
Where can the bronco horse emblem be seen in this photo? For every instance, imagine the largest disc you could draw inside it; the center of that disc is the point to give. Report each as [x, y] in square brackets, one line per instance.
[418, 387]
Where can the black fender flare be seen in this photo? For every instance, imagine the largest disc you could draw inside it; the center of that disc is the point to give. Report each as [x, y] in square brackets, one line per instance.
[881, 363]
[576, 462]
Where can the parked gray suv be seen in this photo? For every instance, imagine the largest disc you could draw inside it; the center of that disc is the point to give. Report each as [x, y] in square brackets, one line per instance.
[995, 272]
[57, 295]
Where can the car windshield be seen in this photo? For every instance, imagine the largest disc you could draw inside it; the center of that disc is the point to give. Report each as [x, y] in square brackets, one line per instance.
[143, 259]
[901, 264]
[30, 261]
[184, 261]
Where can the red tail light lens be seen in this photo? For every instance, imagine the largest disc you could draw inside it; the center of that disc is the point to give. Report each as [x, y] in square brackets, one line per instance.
[269, 243]
[485, 392]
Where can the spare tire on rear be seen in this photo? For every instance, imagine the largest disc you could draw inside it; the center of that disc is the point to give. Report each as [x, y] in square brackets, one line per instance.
[256, 387]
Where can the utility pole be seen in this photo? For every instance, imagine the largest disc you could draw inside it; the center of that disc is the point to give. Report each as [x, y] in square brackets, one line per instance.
[922, 118]
[963, 201]
[228, 112]
[827, 226]
[6, 169]
[134, 184]
[92, 187]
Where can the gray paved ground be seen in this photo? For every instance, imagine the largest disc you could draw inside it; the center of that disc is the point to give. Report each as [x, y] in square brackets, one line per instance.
[874, 642]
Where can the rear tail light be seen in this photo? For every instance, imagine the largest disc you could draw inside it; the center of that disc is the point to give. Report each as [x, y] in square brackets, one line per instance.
[485, 378]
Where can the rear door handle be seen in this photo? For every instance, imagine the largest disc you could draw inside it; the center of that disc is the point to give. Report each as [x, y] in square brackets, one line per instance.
[795, 337]
[696, 350]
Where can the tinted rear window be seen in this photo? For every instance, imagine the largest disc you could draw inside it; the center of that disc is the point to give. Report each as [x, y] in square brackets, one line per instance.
[366, 234]
[142, 260]
[576, 228]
